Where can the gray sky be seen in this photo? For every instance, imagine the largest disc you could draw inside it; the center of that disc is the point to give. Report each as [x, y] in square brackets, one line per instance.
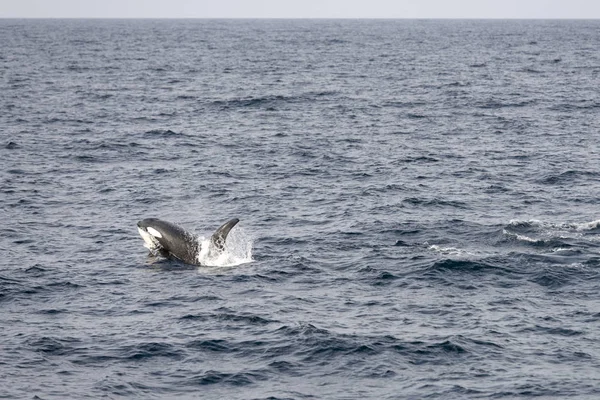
[300, 9]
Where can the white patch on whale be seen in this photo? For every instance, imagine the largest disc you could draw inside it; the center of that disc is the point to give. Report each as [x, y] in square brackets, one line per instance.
[154, 232]
[149, 241]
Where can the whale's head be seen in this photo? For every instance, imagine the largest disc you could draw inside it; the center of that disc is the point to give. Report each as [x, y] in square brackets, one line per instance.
[149, 234]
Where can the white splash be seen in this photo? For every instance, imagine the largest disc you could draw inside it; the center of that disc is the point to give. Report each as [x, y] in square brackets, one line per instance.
[448, 250]
[524, 223]
[534, 223]
[588, 226]
[238, 250]
[522, 238]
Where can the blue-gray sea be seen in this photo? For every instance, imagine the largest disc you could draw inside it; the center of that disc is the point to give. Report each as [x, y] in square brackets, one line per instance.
[419, 206]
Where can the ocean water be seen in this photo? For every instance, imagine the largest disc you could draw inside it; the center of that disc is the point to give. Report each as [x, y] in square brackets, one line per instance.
[419, 206]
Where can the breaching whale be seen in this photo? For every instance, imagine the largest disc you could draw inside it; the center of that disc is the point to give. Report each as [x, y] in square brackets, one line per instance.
[173, 241]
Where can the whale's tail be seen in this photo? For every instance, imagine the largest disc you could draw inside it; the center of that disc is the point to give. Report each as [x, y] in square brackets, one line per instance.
[218, 238]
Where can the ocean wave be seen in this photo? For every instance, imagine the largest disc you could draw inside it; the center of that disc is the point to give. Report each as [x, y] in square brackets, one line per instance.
[163, 133]
[271, 102]
[569, 177]
[466, 266]
[228, 317]
[213, 377]
[427, 202]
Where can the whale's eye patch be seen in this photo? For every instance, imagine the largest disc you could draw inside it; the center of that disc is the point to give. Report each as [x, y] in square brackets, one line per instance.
[154, 232]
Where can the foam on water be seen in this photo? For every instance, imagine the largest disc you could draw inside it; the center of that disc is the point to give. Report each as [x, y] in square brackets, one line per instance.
[588, 226]
[534, 223]
[519, 237]
[535, 231]
[449, 250]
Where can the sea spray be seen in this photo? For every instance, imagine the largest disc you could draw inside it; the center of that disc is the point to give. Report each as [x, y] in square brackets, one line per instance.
[238, 250]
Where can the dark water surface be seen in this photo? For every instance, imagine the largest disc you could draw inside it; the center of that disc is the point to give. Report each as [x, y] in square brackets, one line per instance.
[421, 198]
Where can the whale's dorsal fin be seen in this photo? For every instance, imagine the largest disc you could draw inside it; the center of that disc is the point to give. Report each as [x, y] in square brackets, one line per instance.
[218, 238]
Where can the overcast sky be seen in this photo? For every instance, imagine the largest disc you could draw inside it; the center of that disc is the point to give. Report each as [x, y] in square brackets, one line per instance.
[300, 9]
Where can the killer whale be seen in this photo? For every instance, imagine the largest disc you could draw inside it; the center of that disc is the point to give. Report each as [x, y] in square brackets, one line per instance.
[173, 241]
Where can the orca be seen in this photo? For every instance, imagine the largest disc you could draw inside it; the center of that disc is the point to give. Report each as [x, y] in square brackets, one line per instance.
[173, 241]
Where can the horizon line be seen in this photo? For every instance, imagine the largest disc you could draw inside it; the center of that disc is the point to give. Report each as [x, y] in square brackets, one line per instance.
[324, 18]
